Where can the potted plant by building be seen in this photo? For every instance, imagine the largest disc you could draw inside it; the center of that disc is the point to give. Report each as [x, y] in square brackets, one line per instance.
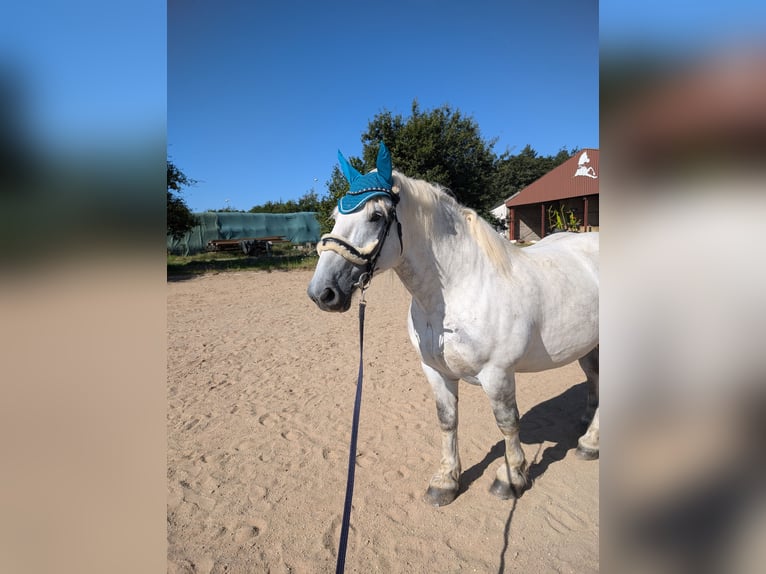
[562, 220]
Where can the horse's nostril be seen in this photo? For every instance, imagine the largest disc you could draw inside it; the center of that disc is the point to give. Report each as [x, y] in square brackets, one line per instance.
[327, 295]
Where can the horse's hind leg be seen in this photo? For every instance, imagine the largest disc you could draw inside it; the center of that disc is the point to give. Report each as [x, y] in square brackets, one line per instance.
[511, 478]
[587, 446]
[589, 365]
[445, 483]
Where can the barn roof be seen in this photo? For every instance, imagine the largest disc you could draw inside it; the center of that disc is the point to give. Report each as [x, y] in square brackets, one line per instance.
[576, 177]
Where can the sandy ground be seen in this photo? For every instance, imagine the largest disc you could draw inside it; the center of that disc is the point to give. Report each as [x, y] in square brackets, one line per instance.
[260, 399]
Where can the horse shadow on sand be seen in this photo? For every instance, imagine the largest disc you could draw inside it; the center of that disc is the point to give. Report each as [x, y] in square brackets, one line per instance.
[556, 421]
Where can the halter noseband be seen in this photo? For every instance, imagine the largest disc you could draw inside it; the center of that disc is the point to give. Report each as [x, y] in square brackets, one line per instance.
[366, 256]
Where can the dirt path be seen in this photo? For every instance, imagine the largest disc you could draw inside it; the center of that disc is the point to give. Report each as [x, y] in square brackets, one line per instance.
[260, 398]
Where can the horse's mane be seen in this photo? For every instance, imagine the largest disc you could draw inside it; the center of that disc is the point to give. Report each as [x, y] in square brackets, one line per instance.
[431, 205]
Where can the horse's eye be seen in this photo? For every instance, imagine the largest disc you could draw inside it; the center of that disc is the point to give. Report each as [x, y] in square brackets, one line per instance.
[375, 217]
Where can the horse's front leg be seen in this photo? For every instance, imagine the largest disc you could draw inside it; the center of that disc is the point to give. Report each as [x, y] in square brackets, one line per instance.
[445, 483]
[511, 478]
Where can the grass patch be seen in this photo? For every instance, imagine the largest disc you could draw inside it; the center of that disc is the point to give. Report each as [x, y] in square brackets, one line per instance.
[283, 259]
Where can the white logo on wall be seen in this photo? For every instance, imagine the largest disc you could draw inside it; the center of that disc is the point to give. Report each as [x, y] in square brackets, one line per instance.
[583, 168]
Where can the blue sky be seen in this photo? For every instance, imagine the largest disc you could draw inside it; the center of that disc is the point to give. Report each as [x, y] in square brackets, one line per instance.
[257, 96]
[681, 27]
[261, 95]
[88, 74]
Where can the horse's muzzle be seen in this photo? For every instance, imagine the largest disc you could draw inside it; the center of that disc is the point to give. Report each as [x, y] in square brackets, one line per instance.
[329, 298]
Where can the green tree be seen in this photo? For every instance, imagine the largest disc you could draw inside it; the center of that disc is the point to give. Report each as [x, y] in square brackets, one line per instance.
[271, 207]
[514, 172]
[440, 146]
[307, 202]
[180, 219]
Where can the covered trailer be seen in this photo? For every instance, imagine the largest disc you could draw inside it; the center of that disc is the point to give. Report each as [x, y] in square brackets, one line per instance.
[299, 228]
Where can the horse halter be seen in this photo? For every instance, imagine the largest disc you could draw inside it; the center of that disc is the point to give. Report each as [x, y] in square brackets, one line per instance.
[366, 256]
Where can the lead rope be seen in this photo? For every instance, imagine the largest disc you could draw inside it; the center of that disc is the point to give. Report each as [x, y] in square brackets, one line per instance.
[364, 282]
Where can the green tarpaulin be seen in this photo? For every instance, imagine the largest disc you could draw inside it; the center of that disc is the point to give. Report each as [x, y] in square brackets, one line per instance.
[298, 228]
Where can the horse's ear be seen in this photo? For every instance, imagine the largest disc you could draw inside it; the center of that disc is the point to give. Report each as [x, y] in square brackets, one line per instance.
[348, 170]
[383, 163]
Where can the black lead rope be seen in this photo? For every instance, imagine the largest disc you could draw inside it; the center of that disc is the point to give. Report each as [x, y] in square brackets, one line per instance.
[341, 564]
[363, 284]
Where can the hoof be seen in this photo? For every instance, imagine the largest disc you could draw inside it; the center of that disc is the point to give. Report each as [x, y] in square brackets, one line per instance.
[439, 496]
[585, 453]
[505, 490]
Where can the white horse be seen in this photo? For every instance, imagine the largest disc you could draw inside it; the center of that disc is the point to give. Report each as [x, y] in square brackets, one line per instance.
[482, 308]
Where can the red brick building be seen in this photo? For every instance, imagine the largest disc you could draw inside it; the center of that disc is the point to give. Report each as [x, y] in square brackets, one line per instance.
[572, 186]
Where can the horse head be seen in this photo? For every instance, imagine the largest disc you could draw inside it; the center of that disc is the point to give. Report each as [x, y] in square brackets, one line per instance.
[360, 243]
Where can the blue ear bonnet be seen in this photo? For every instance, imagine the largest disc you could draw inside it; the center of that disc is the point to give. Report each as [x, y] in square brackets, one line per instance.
[365, 187]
